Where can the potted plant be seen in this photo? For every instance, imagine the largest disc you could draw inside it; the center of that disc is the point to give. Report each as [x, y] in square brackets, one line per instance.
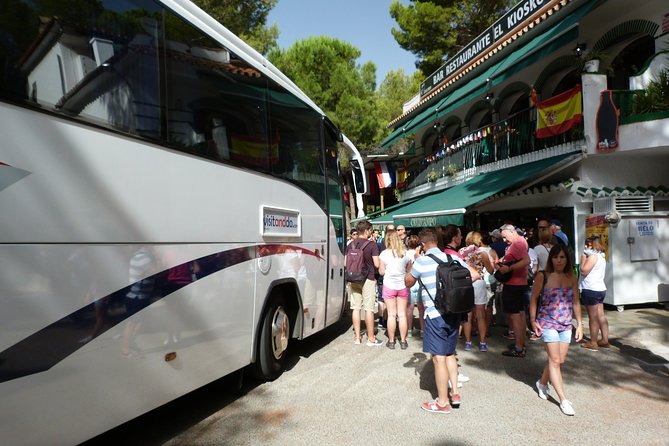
[432, 176]
[451, 170]
[589, 62]
[655, 97]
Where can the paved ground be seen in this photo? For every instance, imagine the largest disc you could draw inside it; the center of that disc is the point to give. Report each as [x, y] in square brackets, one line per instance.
[337, 393]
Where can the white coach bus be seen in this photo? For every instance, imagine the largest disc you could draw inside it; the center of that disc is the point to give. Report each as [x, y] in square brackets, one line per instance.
[171, 211]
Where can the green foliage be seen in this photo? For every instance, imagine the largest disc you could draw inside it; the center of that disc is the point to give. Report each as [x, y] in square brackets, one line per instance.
[655, 97]
[325, 69]
[396, 89]
[437, 29]
[246, 18]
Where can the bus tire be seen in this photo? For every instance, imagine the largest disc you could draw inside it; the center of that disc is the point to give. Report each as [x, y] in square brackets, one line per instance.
[273, 341]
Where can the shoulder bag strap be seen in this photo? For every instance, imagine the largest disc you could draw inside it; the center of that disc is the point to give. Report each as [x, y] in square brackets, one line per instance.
[439, 262]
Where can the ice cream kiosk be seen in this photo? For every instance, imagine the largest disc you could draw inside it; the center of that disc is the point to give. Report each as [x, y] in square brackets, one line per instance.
[637, 257]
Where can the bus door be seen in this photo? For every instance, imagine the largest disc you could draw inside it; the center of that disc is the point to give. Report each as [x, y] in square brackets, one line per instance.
[336, 238]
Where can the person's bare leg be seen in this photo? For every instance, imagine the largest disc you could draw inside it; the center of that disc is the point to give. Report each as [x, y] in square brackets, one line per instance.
[518, 324]
[441, 378]
[355, 318]
[402, 318]
[557, 353]
[369, 323]
[391, 323]
[593, 322]
[481, 321]
[603, 323]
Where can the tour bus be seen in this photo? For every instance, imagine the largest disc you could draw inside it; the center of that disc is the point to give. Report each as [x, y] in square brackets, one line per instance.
[171, 212]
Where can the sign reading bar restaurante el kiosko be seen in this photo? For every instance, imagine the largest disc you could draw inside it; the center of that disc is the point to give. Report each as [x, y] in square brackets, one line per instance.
[496, 32]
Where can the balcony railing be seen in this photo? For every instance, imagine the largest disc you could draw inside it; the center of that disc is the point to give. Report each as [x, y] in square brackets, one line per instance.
[624, 101]
[511, 137]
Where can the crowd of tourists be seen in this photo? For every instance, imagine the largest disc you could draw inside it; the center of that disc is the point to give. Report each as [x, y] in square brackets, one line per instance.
[523, 279]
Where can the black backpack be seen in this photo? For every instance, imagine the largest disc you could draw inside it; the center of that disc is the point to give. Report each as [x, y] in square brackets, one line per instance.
[356, 268]
[455, 292]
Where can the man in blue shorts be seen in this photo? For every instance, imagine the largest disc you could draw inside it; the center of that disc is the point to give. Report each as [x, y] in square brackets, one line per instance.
[441, 332]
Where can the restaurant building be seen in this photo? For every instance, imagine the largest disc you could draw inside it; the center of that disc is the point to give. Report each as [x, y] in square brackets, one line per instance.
[556, 111]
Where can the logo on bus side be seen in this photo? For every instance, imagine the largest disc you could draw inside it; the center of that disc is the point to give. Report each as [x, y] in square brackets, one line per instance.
[280, 222]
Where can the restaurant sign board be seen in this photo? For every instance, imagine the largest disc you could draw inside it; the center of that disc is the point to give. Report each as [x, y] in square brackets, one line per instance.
[498, 31]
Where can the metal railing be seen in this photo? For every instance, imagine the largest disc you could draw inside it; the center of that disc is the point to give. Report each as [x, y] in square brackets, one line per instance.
[508, 138]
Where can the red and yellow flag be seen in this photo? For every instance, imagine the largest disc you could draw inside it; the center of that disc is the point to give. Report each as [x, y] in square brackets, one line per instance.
[558, 114]
[401, 177]
[254, 151]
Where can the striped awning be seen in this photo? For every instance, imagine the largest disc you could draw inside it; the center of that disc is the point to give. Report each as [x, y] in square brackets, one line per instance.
[622, 191]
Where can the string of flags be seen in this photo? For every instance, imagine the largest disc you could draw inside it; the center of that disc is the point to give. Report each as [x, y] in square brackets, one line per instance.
[447, 149]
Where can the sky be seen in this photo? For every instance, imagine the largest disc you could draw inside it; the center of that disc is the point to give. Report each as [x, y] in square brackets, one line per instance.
[366, 24]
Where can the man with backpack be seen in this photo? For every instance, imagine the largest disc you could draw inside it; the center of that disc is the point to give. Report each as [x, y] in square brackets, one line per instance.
[441, 330]
[362, 260]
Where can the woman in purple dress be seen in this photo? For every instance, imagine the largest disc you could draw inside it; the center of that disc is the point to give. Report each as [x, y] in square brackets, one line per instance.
[555, 294]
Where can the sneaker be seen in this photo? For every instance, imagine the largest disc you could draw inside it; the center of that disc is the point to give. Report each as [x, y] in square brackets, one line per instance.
[375, 343]
[542, 390]
[356, 341]
[468, 346]
[462, 378]
[456, 400]
[590, 346]
[510, 335]
[404, 345]
[483, 347]
[433, 406]
[565, 407]
[514, 353]
[534, 337]
[390, 345]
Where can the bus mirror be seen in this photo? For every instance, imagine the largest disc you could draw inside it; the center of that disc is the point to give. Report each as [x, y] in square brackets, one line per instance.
[358, 177]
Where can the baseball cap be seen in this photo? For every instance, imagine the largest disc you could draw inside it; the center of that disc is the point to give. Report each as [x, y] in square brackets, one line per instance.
[496, 233]
[520, 232]
[556, 222]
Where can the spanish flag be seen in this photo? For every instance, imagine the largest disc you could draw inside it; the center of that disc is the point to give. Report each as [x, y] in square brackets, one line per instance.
[401, 177]
[558, 114]
[254, 151]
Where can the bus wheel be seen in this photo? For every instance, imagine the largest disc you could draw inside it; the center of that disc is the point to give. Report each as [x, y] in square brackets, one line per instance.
[273, 343]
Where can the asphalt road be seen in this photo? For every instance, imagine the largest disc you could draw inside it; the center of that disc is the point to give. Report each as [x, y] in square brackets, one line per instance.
[338, 393]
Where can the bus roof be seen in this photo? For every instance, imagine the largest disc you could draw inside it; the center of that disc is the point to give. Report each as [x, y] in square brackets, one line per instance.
[217, 31]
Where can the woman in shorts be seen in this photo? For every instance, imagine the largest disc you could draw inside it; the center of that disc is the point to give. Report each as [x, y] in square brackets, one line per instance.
[555, 294]
[393, 266]
[478, 259]
[593, 291]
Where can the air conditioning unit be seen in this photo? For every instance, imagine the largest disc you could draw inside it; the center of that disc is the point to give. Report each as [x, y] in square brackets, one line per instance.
[624, 205]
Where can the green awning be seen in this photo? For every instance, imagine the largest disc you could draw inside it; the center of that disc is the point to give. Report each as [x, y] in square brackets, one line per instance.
[534, 50]
[383, 211]
[449, 206]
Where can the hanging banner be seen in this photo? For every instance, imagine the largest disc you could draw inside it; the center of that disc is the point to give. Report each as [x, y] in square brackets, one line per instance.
[384, 175]
[401, 177]
[597, 225]
[558, 114]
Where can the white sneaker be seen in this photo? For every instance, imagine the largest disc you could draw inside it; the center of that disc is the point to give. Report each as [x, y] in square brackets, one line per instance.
[565, 407]
[462, 378]
[542, 390]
